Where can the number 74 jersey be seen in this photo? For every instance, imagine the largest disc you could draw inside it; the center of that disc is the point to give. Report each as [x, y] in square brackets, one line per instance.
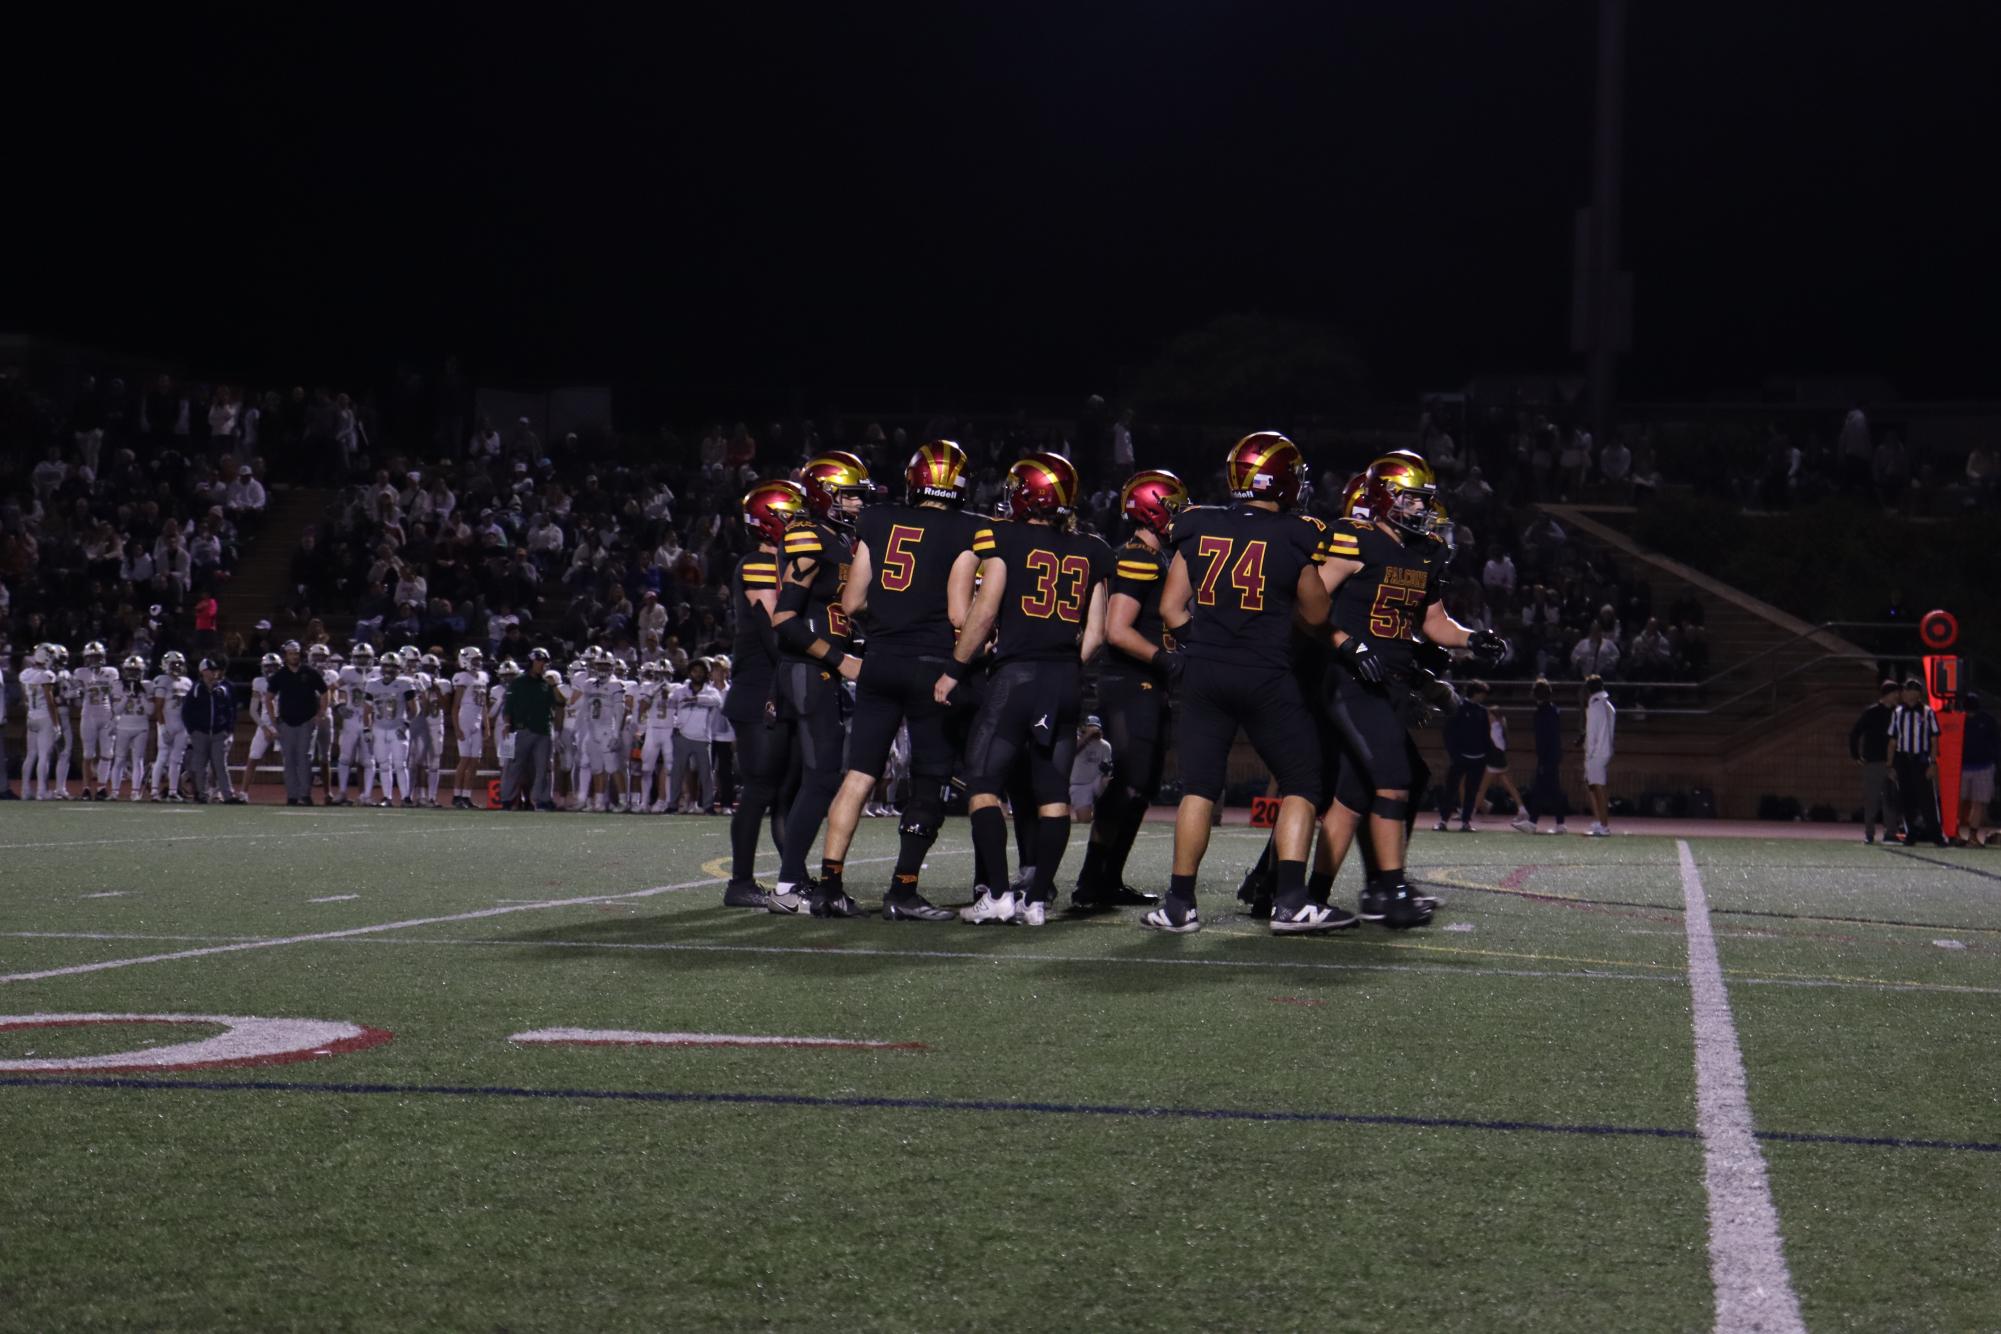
[1243, 572]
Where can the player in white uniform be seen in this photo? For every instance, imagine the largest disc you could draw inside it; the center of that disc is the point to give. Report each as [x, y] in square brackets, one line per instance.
[656, 720]
[67, 698]
[628, 739]
[496, 716]
[441, 722]
[354, 679]
[171, 689]
[600, 733]
[566, 752]
[389, 709]
[423, 760]
[263, 715]
[470, 688]
[320, 658]
[94, 682]
[132, 723]
[38, 684]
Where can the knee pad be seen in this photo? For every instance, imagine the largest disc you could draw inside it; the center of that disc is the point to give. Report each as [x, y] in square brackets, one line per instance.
[923, 813]
[1389, 808]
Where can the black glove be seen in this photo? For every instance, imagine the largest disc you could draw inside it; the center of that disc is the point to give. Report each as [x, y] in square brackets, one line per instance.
[1169, 664]
[1491, 649]
[1362, 660]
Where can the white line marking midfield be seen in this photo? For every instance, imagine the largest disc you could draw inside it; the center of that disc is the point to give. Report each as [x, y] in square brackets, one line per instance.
[619, 1037]
[335, 898]
[1747, 1258]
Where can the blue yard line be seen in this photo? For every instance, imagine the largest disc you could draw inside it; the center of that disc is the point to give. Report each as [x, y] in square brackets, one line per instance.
[1950, 866]
[966, 1105]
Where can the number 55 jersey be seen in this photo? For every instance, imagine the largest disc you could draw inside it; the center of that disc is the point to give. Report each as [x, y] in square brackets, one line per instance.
[1384, 602]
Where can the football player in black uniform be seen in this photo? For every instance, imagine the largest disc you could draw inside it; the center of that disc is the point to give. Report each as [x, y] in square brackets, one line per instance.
[1042, 599]
[910, 584]
[1132, 691]
[762, 751]
[813, 642]
[1239, 577]
[1386, 578]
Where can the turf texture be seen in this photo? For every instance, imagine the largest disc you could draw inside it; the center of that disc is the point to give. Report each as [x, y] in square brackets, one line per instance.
[1488, 1124]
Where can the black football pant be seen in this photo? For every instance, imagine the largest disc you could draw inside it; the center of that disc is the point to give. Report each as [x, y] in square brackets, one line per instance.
[1918, 798]
[1134, 711]
[809, 721]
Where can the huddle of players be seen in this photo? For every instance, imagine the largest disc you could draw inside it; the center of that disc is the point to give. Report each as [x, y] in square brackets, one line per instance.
[111, 716]
[1253, 616]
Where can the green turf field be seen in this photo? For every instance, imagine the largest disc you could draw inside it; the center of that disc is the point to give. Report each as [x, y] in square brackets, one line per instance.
[1490, 1124]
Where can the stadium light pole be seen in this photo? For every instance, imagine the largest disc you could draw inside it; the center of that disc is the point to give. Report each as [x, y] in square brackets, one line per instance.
[1608, 315]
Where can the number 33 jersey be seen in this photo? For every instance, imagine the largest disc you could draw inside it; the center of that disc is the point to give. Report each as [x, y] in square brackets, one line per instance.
[1384, 601]
[1050, 575]
[1243, 576]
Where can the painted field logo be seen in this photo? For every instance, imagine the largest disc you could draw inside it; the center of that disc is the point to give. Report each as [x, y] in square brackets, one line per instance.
[245, 1041]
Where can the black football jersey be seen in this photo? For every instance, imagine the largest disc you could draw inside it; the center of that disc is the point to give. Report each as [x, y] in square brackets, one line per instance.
[805, 540]
[1384, 602]
[1050, 575]
[1243, 570]
[752, 664]
[1139, 573]
[911, 550]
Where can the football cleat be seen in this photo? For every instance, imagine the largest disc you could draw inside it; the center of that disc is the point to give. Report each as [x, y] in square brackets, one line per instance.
[1523, 824]
[1309, 918]
[910, 906]
[1033, 913]
[1099, 899]
[988, 907]
[786, 902]
[834, 903]
[1403, 907]
[1173, 915]
[745, 894]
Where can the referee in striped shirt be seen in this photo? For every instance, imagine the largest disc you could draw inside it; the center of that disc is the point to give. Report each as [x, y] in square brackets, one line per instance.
[1913, 751]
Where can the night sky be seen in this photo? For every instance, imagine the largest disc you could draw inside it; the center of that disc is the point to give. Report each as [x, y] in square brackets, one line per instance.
[988, 199]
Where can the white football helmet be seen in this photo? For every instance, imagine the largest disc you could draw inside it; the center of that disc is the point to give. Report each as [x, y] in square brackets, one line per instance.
[174, 663]
[134, 668]
[93, 653]
[362, 655]
[470, 659]
[270, 663]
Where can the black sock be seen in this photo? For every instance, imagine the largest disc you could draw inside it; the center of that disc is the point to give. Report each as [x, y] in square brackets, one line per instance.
[830, 874]
[1182, 887]
[743, 835]
[1119, 842]
[910, 853]
[1319, 884]
[990, 842]
[1052, 836]
[1092, 873]
[1291, 892]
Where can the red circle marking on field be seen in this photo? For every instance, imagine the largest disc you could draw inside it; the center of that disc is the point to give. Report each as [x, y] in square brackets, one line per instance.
[246, 1041]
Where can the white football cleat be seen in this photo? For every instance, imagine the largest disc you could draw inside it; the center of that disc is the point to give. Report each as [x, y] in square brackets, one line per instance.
[1034, 913]
[989, 907]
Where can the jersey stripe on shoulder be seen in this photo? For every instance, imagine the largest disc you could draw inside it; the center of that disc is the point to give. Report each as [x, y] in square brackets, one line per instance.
[760, 574]
[983, 542]
[1143, 572]
[803, 540]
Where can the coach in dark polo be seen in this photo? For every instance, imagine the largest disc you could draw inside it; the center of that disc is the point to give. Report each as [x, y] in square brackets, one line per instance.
[530, 710]
[301, 695]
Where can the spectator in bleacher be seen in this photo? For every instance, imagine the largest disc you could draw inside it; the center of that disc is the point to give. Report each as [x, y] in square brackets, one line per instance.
[1615, 465]
[1595, 655]
[1575, 461]
[1498, 574]
[1858, 451]
[1890, 470]
[1983, 475]
[1651, 657]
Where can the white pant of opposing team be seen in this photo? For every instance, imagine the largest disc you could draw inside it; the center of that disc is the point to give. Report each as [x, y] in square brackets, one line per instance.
[167, 763]
[659, 752]
[353, 751]
[128, 760]
[40, 766]
[388, 763]
[99, 739]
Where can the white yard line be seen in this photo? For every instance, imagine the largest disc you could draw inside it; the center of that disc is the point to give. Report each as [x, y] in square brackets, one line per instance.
[182, 838]
[273, 942]
[1747, 1259]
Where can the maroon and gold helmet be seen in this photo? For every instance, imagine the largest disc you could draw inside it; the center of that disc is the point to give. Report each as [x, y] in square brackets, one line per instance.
[1399, 490]
[1265, 466]
[1353, 505]
[769, 506]
[1041, 486]
[1151, 498]
[831, 477]
[937, 471]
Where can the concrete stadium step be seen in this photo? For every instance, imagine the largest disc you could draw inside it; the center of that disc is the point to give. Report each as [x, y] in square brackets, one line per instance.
[260, 584]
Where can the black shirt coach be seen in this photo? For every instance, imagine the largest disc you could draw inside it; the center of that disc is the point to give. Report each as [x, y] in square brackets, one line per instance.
[298, 691]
